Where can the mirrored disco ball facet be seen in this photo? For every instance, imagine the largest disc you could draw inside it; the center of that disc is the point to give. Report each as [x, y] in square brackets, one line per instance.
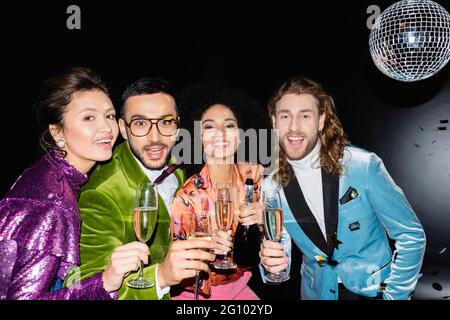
[410, 40]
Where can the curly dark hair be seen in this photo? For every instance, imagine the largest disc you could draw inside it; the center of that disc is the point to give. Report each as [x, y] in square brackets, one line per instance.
[196, 99]
[333, 138]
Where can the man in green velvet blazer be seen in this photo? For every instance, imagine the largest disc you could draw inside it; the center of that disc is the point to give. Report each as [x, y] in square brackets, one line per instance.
[149, 124]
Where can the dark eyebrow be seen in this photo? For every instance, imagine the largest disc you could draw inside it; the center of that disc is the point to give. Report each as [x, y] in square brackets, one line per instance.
[140, 116]
[212, 120]
[137, 116]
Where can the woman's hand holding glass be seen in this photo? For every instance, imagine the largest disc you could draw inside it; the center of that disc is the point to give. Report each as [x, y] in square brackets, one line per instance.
[222, 241]
[251, 213]
[224, 220]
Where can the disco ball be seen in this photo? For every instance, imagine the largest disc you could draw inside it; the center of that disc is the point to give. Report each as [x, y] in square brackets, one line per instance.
[410, 40]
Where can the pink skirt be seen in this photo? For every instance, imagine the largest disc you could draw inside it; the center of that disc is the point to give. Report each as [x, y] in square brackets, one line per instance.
[237, 290]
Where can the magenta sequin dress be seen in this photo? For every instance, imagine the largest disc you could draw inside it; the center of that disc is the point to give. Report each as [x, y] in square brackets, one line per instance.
[39, 234]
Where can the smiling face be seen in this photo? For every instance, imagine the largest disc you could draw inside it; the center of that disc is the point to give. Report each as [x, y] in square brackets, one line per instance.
[298, 122]
[153, 149]
[220, 135]
[89, 129]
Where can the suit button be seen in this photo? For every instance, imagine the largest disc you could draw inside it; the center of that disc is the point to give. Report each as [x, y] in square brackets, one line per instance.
[332, 291]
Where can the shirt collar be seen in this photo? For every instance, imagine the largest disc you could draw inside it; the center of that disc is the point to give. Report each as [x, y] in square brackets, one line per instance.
[151, 174]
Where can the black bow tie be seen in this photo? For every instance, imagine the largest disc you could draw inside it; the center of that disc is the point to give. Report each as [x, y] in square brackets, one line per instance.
[166, 173]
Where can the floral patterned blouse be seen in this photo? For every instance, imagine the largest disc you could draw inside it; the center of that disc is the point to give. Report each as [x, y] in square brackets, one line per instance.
[199, 194]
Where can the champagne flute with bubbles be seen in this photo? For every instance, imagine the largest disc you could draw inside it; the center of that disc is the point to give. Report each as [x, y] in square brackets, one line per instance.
[200, 228]
[224, 220]
[144, 219]
[273, 227]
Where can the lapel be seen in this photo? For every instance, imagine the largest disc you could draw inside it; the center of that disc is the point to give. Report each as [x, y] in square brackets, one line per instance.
[133, 173]
[305, 218]
[298, 236]
[130, 168]
[302, 213]
[330, 189]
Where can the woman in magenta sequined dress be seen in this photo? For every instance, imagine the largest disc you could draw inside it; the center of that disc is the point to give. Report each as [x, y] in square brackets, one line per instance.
[39, 216]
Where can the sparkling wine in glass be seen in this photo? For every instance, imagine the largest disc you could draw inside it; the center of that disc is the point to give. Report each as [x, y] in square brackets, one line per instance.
[273, 227]
[200, 228]
[224, 220]
[144, 220]
[200, 225]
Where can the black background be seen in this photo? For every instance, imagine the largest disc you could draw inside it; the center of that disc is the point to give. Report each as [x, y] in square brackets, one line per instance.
[253, 47]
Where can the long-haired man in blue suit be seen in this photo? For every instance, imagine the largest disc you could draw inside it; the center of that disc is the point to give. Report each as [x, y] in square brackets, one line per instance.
[340, 206]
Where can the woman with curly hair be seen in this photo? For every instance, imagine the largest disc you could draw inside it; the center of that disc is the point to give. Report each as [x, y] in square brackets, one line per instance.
[340, 205]
[219, 112]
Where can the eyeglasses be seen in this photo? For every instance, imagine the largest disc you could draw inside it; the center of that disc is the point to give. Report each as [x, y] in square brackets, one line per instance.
[166, 126]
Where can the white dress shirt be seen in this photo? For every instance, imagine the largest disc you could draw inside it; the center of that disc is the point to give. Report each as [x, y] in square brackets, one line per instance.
[167, 188]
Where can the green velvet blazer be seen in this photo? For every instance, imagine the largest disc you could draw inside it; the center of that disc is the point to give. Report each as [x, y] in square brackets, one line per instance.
[106, 206]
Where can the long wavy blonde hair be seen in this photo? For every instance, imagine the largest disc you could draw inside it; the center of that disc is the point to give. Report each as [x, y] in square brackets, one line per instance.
[333, 138]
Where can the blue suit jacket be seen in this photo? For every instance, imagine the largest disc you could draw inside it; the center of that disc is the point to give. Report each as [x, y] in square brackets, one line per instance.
[365, 262]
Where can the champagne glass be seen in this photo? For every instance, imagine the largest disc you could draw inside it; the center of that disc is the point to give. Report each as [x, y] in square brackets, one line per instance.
[224, 220]
[273, 227]
[200, 228]
[145, 215]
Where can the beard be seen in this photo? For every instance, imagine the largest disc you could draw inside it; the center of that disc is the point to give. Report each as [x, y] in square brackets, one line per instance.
[298, 154]
[156, 164]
